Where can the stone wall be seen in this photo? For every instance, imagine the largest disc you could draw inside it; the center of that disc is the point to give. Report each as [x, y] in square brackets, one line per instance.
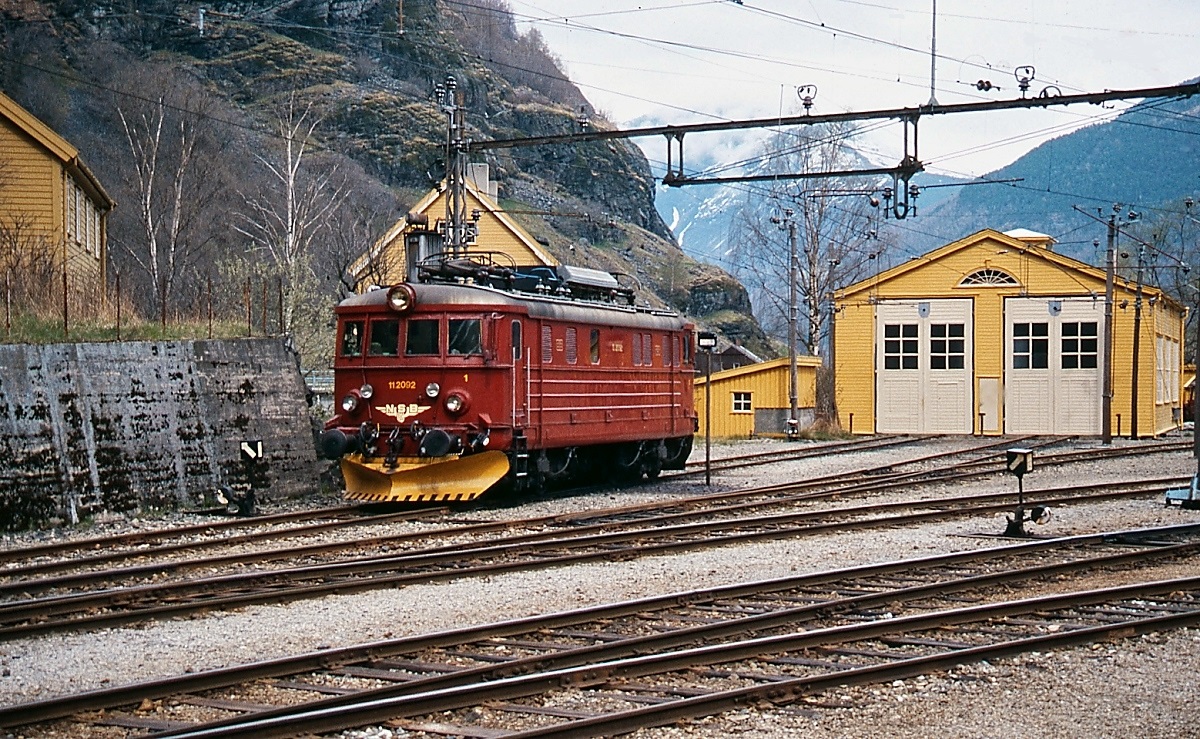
[116, 427]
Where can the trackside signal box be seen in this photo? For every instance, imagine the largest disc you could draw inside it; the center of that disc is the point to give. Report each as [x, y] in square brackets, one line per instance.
[1019, 461]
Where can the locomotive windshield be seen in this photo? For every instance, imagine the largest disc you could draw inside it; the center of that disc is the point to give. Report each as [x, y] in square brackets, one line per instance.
[465, 336]
[385, 338]
[423, 337]
[352, 336]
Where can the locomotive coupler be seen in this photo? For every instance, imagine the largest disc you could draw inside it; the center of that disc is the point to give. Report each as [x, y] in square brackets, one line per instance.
[481, 440]
[367, 436]
[394, 442]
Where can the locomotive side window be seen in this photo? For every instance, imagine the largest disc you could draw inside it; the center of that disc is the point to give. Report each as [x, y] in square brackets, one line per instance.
[547, 345]
[688, 349]
[352, 336]
[465, 336]
[517, 348]
[594, 352]
[572, 345]
[423, 337]
[385, 338]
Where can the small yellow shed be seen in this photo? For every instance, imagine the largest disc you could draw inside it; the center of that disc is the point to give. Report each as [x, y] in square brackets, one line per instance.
[752, 400]
[998, 334]
[498, 232]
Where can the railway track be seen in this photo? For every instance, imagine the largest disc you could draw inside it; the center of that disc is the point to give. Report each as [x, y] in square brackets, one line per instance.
[70, 604]
[26, 561]
[721, 464]
[604, 670]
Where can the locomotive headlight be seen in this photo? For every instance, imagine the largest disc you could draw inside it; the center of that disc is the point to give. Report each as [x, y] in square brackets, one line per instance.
[366, 392]
[401, 298]
[432, 389]
[455, 404]
[349, 403]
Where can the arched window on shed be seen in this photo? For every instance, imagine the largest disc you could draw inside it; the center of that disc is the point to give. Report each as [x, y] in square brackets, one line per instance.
[989, 276]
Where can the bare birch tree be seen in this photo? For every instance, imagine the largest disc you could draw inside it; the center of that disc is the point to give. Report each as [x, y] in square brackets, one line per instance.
[286, 218]
[168, 153]
[834, 231]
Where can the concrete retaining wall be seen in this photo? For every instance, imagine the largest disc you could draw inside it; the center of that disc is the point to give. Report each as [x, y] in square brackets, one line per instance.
[117, 427]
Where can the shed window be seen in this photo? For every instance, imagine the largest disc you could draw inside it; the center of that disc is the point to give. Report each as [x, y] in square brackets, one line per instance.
[547, 345]
[742, 403]
[946, 346]
[423, 337]
[900, 346]
[572, 345]
[1031, 345]
[1079, 345]
[989, 276]
[465, 336]
[594, 349]
[352, 336]
[385, 338]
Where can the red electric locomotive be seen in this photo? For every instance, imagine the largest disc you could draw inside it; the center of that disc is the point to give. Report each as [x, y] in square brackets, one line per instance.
[477, 376]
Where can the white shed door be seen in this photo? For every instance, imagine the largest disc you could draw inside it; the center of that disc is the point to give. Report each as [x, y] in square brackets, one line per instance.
[924, 366]
[1052, 377]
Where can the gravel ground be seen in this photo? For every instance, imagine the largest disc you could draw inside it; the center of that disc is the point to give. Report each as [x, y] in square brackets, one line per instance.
[1144, 687]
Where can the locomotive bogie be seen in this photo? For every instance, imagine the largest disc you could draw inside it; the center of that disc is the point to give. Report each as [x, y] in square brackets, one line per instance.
[448, 372]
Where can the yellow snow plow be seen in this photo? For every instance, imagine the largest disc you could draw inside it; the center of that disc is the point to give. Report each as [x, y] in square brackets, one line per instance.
[422, 479]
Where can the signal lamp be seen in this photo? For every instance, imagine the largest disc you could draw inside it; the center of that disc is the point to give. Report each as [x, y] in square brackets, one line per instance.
[432, 389]
[366, 392]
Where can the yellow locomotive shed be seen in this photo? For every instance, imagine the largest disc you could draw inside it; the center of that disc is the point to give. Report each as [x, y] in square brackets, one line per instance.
[752, 400]
[998, 334]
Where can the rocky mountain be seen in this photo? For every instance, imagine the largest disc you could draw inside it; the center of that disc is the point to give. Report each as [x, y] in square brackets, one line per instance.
[232, 75]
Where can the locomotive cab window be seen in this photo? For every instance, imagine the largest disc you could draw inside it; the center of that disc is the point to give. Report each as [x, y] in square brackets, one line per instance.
[594, 349]
[385, 338]
[517, 349]
[352, 336]
[465, 336]
[423, 337]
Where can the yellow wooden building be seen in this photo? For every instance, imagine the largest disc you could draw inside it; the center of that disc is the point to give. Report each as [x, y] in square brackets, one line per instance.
[996, 333]
[53, 210]
[386, 263]
[753, 399]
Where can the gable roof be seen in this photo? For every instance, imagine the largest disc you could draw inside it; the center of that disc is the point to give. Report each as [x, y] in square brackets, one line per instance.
[1027, 249]
[491, 207]
[58, 147]
[803, 360]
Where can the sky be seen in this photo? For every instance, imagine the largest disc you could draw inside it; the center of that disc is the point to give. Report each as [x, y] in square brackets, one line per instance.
[650, 62]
